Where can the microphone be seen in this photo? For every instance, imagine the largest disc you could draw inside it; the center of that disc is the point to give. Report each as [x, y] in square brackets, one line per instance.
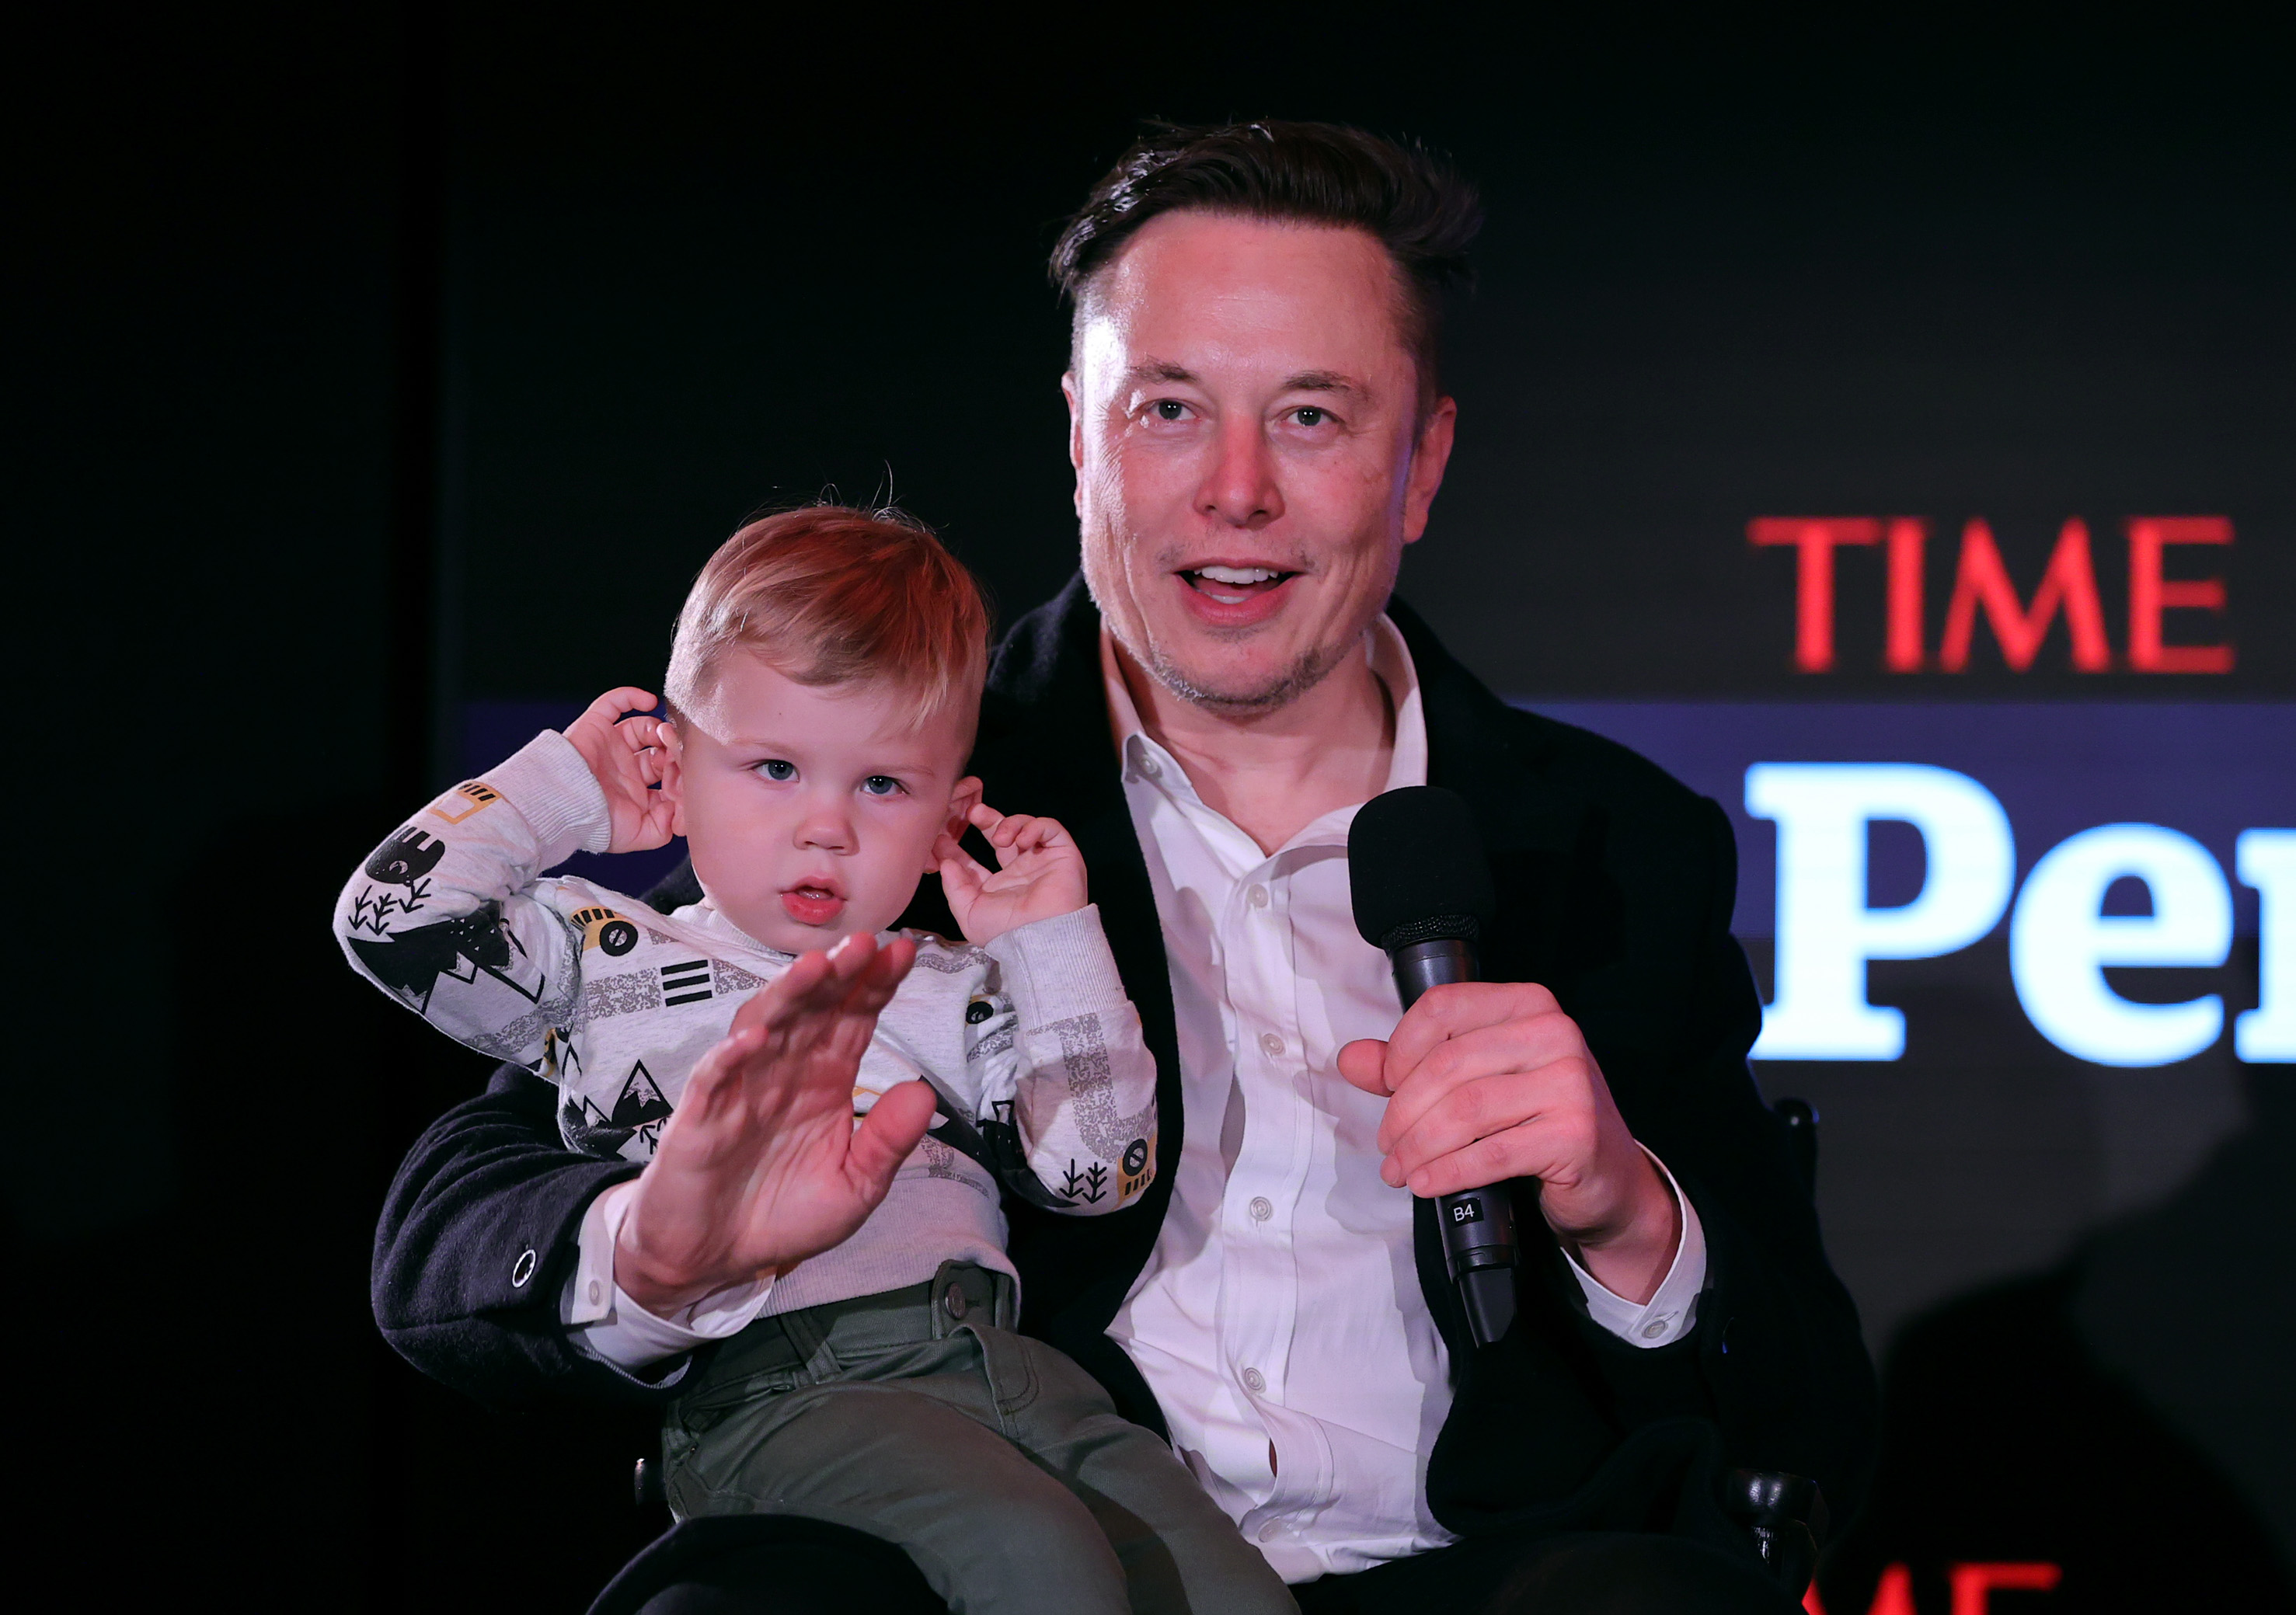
[1421, 891]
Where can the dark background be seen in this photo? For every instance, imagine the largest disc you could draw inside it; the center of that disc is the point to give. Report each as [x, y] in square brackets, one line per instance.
[371, 365]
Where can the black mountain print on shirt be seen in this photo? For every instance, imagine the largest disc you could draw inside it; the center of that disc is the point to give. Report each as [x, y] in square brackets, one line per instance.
[641, 1100]
[411, 961]
[585, 1127]
[641, 1107]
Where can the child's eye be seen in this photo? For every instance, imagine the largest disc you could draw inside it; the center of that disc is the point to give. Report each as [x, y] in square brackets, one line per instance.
[779, 770]
[880, 784]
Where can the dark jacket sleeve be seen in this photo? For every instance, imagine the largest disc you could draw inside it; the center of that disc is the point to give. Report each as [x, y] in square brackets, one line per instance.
[1778, 1351]
[476, 1243]
[1617, 887]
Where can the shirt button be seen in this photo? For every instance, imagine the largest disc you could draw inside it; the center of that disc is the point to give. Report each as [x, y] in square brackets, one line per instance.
[1257, 896]
[1261, 1210]
[1655, 1328]
[1267, 1532]
[1254, 1381]
[1270, 1044]
[596, 1291]
[1149, 766]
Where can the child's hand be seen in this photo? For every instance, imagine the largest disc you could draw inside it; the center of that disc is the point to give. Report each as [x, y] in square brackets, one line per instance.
[1040, 873]
[625, 756]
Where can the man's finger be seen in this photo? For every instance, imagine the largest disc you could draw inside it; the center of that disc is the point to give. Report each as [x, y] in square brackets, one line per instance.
[819, 983]
[1485, 1052]
[1461, 1006]
[709, 1087]
[1499, 1158]
[874, 985]
[1551, 1101]
[887, 967]
[840, 1033]
[770, 1007]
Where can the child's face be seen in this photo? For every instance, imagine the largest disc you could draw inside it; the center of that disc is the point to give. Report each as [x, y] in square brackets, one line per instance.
[811, 810]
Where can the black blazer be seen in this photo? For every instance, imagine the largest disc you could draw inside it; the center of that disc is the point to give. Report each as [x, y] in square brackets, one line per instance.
[1615, 890]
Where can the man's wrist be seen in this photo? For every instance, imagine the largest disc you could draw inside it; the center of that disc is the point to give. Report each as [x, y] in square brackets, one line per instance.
[660, 1289]
[1630, 1255]
[605, 1322]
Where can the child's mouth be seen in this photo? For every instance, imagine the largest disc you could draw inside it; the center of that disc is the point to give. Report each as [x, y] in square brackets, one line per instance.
[812, 905]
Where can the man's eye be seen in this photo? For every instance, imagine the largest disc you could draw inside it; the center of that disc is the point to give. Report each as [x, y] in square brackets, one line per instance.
[880, 784]
[1168, 409]
[778, 769]
[1308, 414]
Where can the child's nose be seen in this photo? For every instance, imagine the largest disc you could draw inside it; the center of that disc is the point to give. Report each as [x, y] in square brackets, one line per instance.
[827, 829]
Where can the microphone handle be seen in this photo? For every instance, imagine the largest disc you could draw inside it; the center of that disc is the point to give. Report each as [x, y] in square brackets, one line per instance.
[1477, 1224]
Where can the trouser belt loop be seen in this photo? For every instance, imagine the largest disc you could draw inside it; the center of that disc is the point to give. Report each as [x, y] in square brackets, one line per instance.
[808, 1337]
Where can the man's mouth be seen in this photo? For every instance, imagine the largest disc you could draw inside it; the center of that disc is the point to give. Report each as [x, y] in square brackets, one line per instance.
[811, 904]
[1235, 586]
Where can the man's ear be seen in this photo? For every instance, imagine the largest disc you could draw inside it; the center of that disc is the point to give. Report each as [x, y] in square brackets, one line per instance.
[1069, 390]
[673, 775]
[1428, 457]
[962, 801]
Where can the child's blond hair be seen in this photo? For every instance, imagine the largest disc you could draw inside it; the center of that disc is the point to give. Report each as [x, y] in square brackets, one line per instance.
[828, 595]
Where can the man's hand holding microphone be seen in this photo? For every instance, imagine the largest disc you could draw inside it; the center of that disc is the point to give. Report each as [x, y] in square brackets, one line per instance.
[1489, 1081]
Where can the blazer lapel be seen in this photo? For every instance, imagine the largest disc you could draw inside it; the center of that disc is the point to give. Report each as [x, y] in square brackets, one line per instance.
[1045, 748]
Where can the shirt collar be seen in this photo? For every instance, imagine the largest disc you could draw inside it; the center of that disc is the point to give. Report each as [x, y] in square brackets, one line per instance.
[1390, 662]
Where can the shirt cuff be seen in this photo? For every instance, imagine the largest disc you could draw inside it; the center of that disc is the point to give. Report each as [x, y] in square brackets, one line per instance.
[560, 799]
[1059, 967]
[1672, 1312]
[605, 1324]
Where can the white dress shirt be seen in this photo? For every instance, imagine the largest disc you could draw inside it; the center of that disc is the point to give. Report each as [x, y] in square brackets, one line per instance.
[1279, 1320]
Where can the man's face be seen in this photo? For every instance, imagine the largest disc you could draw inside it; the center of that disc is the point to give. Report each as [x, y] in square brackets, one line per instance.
[1250, 456]
[811, 810]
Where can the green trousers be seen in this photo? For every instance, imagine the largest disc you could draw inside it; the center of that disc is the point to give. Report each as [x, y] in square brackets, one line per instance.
[998, 1464]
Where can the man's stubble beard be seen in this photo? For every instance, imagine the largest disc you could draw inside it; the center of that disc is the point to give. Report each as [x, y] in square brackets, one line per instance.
[1312, 667]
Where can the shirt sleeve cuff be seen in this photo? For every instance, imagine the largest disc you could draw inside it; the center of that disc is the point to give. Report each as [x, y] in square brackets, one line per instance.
[1059, 967]
[607, 1324]
[1672, 1311]
[555, 792]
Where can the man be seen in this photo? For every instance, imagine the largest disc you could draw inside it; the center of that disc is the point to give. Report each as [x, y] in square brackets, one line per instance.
[1257, 430]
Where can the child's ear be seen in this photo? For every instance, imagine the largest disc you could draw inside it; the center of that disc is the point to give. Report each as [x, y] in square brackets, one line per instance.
[673, 775]
[962, 801]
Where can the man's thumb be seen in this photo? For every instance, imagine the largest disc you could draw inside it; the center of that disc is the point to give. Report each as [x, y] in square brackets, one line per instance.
[1363, 1063]
[890, 1131]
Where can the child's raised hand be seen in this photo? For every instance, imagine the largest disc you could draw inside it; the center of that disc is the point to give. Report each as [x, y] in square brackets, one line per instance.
[625, 754]
[1039, 873]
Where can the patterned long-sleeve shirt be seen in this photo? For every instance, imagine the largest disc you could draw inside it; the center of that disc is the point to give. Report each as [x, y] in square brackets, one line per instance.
[1029, 1040]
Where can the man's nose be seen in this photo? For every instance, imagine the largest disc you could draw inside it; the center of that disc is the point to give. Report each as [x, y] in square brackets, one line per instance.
[1241, 487]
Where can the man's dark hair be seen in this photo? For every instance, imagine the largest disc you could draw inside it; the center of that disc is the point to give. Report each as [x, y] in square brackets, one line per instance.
[1412, 201]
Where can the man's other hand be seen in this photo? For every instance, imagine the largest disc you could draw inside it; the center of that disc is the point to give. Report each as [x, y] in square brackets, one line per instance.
[1490, 1081]
[761, 1166]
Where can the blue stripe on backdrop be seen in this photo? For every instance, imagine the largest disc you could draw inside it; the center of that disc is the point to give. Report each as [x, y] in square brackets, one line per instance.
[2209, 769]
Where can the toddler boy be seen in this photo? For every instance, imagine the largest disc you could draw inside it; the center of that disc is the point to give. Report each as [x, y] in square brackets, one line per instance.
[822, 694]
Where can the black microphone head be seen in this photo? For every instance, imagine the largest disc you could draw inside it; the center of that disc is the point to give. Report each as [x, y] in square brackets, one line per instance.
[1416, 870]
